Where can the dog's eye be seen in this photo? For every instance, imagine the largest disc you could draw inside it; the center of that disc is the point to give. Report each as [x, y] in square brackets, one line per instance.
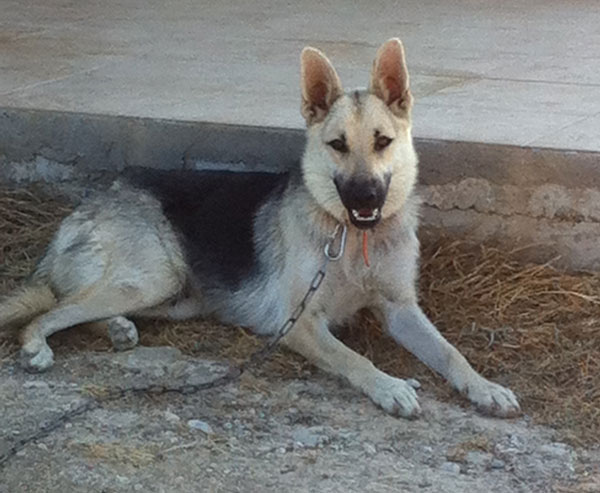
[382, 142]
[339, 145]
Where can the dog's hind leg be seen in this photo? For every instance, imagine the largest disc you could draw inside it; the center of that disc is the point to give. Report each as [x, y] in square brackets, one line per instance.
[183, 309]
[101, 303]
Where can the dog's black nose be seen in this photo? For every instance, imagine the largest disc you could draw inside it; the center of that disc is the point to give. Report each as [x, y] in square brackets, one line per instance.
[361, 191]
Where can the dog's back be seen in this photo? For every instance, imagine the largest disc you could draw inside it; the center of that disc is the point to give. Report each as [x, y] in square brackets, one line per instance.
[213, 214]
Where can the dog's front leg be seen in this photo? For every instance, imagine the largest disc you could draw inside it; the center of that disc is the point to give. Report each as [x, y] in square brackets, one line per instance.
[410, 327]
[313, 340]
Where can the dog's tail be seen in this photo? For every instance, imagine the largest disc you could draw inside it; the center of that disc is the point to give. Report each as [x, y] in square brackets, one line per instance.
[23, 304]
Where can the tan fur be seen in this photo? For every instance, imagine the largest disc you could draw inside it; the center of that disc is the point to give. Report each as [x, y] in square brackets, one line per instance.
[358, 122]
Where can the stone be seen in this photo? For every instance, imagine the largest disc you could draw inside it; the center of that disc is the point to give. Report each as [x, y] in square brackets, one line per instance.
[171, 417]
[450, 467]
[203, 426]
[478, 458]
[147, 359]
[310, 437]
[369, 448]
[555, 449]
[36, 385]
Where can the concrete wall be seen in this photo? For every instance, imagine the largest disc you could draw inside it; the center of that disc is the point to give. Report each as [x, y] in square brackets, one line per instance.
[545, 201]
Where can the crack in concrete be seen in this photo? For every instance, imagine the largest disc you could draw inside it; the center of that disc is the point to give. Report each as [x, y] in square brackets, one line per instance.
[507, 215]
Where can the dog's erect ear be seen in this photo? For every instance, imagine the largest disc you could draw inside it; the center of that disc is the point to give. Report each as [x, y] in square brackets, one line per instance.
[321, 85]
[389, 78]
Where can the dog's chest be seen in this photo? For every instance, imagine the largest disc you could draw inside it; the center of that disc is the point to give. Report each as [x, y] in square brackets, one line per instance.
[351, 284]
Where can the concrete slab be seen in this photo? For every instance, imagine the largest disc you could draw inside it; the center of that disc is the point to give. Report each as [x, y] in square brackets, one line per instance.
[582, 134]
[519, 73]
[480, 123]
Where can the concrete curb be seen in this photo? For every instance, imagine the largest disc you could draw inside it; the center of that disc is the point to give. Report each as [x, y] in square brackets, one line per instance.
[92, 142]
[510, 194]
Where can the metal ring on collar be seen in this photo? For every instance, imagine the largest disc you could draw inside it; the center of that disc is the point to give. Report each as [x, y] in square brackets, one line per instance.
[331, 241]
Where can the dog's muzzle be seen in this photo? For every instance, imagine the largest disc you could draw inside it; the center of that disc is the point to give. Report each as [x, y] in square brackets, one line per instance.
[363, 196]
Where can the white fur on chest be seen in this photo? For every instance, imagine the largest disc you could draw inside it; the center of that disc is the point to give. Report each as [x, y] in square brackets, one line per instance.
[351, 284]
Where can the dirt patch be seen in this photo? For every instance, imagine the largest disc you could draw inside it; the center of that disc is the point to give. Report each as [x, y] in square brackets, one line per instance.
[527, 326]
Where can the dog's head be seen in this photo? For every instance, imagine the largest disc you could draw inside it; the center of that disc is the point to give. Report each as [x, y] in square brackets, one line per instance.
[359, 162]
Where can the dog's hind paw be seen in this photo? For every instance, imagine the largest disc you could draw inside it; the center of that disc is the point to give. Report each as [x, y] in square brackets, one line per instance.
[493, 399]
[395, 396]
[123, 333]
[36, 357]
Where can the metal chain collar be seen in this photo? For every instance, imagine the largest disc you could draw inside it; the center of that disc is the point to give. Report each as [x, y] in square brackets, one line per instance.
[100, 396]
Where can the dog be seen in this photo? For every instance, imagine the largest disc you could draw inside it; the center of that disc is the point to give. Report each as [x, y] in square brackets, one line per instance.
[244, 247]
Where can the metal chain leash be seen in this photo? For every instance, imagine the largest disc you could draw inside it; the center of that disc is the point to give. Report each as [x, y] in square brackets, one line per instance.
[101, 396]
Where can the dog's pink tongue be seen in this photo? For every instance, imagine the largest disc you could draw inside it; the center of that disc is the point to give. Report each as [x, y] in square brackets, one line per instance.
[365, 212]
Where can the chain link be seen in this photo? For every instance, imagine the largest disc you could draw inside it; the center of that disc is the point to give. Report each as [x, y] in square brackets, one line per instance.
[100, 396]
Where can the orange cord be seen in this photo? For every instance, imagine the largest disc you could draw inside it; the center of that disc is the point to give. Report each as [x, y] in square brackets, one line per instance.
[365, 249]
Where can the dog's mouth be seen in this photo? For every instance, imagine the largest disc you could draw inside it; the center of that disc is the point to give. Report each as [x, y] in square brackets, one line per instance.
[363, 197]
[365, 215]
[365, 218]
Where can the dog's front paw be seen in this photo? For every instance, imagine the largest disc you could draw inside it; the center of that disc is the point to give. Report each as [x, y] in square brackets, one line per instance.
[492, 399]
[395, 396]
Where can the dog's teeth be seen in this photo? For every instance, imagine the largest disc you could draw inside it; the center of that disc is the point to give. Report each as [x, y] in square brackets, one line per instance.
[372, 217]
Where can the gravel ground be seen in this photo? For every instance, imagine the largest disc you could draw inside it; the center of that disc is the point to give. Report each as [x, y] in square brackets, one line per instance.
[264, 433]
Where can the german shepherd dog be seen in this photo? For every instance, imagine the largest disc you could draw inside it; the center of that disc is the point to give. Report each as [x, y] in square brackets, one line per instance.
[244, 247]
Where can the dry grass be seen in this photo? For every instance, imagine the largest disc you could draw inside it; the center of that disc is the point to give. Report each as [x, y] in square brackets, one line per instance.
[27, 221]
[459, 453]
[533, 323]
[532, 327]
[118, 454]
